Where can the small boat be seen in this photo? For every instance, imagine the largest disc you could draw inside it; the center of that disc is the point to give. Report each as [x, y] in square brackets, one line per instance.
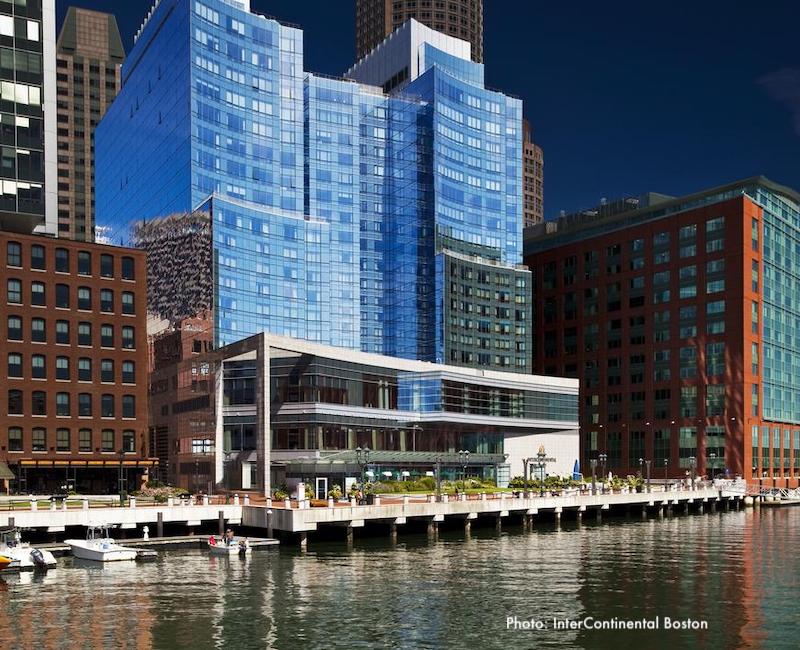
[21, 555]
[228, 545]
[4, 562]
[99, 547]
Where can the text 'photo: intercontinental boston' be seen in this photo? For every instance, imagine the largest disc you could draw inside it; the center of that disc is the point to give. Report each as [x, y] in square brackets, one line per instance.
[297, 356]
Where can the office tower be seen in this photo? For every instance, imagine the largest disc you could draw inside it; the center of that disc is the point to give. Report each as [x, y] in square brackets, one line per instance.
[680, 318]
[89, 56]
[337, 213]
[74, 349]
[376, 19]
[532, 178]
[27, 115]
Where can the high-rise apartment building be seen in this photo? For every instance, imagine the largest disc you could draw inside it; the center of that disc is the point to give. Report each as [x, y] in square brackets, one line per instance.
[27, 116]
[532, 178]
[680, 318]
[89, 57]
[376, 19]
[335, 212]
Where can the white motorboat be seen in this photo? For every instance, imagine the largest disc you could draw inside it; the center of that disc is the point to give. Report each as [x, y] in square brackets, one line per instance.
[228, 545]
[21, 556]
[99, 547]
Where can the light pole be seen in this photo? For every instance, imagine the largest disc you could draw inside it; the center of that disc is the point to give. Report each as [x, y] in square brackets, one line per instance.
[527, 462]
[226, 472]
[666, 464]
[602, 458]
[713, 458]
[693, 467]
[593, 463]
[463, 456]
[196, 476]
[647, 464]
[542, 464]
[438, 477]
[120, 479]
[362, 458]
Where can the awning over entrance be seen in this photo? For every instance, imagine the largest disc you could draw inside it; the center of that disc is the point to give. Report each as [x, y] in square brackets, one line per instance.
[149, 462]
[5, 471]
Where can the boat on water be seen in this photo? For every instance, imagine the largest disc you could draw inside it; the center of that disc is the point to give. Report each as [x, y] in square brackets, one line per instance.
[21, 555]
[100, 547]
[228, 545]
[4, 562]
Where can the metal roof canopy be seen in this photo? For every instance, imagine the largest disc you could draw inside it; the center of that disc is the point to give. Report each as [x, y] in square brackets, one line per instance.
[349, 457]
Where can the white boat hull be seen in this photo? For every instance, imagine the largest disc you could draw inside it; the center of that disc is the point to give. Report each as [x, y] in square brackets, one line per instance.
[223, 549]
[21, 559]
[100, 551]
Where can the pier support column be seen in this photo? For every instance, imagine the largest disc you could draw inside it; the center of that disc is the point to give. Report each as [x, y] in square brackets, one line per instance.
[579, 518]
[221, 522]
[348, 534]
[160, 525]
[304, 541]
[727, 505]
[498, 524]
[713, 506]
[686, 507]
[660, 512]
[467, 526]
[558, 517]
[393, 531]
[599, 515]
[644, 512]
[433, 528]
[700, 508]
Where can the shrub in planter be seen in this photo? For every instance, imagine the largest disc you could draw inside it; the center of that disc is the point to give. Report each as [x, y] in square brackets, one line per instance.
[335, 492]
[279, 495]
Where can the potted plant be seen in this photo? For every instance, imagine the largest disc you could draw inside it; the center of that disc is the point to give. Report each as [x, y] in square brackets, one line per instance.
[369, 493]
[335, 492]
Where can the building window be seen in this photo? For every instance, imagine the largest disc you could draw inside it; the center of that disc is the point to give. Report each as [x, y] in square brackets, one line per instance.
[128, 406]
[38, 331]
[14, 291]
[106, 266]
[84, 369]
[127, 268]
[39, 402]
[84, 404]
[62, 368]
[127, 303]
[85, 440]
[754, 358]
[15, 402]
[106, 300]
[37, 257]
[107, 406]
[128, 372]
[38, 367]
[715, 358]
[14, 253]
[108, 440]
[62, 332]
[128, 441]
[39, 439]
[38, 294]
[107, 370]
[14, 365]
[754, 317]
[14, 439]
[62, 296]
[107, 336]
[84, 333]
[84, 298]
[715, 400]
[128, 341]
[62, 404]
[687, 445]
[62, 440]
[84, 263]
[14, 328]
[62, 260]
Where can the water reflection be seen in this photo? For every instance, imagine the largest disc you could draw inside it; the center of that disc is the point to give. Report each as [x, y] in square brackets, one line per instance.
[737, 570]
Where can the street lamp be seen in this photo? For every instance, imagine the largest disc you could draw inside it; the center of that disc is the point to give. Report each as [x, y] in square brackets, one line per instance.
[463, 456]
[438, 477]
[226, 472]
[666, 464]
[602, 458]
[713, 458]
[362, 458]
[593, 463]
[120, 479]
[541, 465]
[693, 467]
[196, 476]
[647, 464]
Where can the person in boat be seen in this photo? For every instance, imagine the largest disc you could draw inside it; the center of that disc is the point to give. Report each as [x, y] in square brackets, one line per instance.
[229, 537]
[212, 541]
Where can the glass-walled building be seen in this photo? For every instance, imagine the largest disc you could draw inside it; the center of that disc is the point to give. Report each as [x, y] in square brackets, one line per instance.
[331, 202]
[268, 409]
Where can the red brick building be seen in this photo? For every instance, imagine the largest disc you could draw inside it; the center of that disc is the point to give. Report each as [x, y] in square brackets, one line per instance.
[660, 312]
[73, 343]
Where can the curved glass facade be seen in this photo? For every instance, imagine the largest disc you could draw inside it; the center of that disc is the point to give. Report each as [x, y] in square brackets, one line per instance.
[331, 199]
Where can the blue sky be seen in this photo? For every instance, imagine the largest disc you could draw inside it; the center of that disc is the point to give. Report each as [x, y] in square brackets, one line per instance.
[624, 96]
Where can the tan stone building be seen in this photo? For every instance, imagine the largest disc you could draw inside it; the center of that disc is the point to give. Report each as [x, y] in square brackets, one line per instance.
[89, 56]
[532, 178]
[376, 19]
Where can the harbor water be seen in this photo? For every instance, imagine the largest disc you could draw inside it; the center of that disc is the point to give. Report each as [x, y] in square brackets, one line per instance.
[732, 577]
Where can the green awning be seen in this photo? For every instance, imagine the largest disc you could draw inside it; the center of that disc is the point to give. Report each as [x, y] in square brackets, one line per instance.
[5, 471]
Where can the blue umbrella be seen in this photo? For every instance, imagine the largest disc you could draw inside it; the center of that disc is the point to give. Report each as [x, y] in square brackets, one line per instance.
[576, 471]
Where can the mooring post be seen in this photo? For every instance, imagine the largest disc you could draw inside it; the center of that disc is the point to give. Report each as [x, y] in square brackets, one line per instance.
[348, 534]
[433, 528]
[221, 522]
[304, 541]
[160, 525]
[393, 531]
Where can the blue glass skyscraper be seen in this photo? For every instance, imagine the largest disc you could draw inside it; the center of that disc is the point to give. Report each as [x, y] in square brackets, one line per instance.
[340, 210]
